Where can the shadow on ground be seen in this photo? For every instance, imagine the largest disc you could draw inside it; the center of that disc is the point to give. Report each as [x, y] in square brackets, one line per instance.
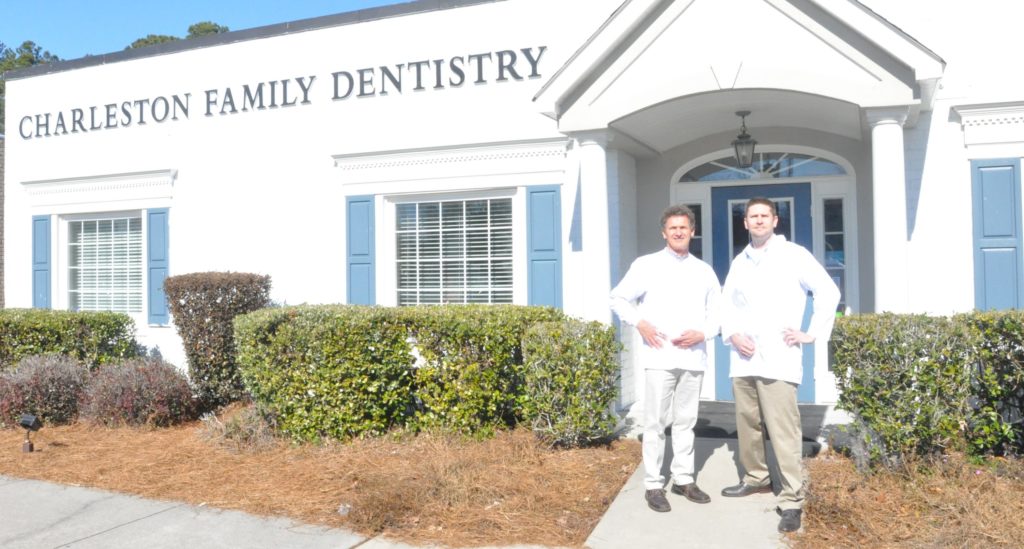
[716, 420]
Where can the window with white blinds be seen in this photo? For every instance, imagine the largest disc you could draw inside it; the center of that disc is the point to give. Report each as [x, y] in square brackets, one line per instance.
[454, 251]
[105, 270]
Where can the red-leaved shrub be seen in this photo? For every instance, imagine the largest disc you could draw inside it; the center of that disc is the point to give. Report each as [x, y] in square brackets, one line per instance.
[47, 386]
[139, 391]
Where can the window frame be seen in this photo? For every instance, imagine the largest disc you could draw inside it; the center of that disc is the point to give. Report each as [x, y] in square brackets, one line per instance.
[387, 274]
[61, 273]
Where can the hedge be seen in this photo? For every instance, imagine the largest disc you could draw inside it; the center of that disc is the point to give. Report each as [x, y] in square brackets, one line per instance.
[996, 422]
[92, 338]
[572, 375]
[920, 385]
[340, 371]
[470, 378]
[204, 306]
[332, 371]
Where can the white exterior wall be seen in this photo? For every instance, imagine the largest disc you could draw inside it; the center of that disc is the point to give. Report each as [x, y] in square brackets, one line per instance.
[258, 191]
[975, 40]
[264, 191]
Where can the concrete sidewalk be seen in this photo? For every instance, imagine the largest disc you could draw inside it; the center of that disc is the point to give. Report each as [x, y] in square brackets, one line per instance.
[39, 514]
[748, 522]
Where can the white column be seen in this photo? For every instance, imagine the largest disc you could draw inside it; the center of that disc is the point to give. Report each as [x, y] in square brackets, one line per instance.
[890, 208]
[598, 181]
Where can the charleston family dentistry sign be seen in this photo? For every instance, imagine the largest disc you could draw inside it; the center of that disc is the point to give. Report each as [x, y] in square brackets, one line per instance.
[414, 76]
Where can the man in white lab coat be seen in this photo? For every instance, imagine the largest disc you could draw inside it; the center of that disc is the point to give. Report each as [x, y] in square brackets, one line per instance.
[763, 303]
[671, 297]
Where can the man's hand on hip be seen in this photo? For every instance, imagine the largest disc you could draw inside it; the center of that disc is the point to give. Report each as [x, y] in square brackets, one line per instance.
[743, 345]
[795, 337]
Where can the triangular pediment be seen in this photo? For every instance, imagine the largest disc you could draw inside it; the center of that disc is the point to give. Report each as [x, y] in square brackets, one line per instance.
[655, 51]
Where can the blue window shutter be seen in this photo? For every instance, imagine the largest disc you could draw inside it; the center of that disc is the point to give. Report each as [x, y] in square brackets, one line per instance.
[360, 252]
[998, 277]
[544, 245]
[157, 250]
[41, 261]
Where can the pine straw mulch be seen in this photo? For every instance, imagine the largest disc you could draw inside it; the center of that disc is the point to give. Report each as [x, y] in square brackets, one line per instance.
[434, 489]
[945, 503]
[419, 489]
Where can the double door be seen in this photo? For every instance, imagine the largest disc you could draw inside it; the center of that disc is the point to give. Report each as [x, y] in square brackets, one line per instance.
[729, 238]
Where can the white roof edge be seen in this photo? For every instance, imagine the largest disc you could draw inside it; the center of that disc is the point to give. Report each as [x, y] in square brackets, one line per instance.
[996, 107]
[927, 65]
[618, 27]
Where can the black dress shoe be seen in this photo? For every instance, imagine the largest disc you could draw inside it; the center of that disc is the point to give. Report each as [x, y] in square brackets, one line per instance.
[691, 492]
[790, 520]
[656, 500]
[743, 489]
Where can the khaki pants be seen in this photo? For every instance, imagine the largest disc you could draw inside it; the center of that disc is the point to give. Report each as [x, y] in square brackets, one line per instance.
[776, 402]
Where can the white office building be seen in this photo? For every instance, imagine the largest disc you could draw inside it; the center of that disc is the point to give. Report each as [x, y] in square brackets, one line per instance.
[521, 151]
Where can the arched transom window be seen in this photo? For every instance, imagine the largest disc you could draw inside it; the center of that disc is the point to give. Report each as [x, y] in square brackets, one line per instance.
[767, 165]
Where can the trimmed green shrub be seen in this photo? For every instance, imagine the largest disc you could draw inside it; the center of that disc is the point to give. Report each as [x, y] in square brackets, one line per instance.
[470, 376]
[204, 306]
[572, 374]
[996, 422]
[341, 371]
[92, 338]
[48, 386]
[139, 391]
[332, 371]
[906, 378]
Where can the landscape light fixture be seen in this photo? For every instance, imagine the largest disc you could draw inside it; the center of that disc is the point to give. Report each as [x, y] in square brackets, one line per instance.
[744, 144]
[30, 423]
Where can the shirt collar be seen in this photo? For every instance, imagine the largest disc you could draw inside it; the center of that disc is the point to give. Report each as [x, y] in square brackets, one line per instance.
[756, 254]
[668, 251]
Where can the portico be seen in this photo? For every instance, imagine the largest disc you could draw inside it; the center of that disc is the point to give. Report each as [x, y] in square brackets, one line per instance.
[650, 101]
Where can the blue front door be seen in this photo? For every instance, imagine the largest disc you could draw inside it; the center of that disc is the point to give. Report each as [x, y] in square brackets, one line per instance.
[793, 202]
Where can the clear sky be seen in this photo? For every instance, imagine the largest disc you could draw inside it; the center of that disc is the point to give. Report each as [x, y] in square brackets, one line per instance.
[71, 29]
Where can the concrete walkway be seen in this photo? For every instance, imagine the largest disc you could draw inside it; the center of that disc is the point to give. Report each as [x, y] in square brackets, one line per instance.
[39, 514]
[748, 522]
